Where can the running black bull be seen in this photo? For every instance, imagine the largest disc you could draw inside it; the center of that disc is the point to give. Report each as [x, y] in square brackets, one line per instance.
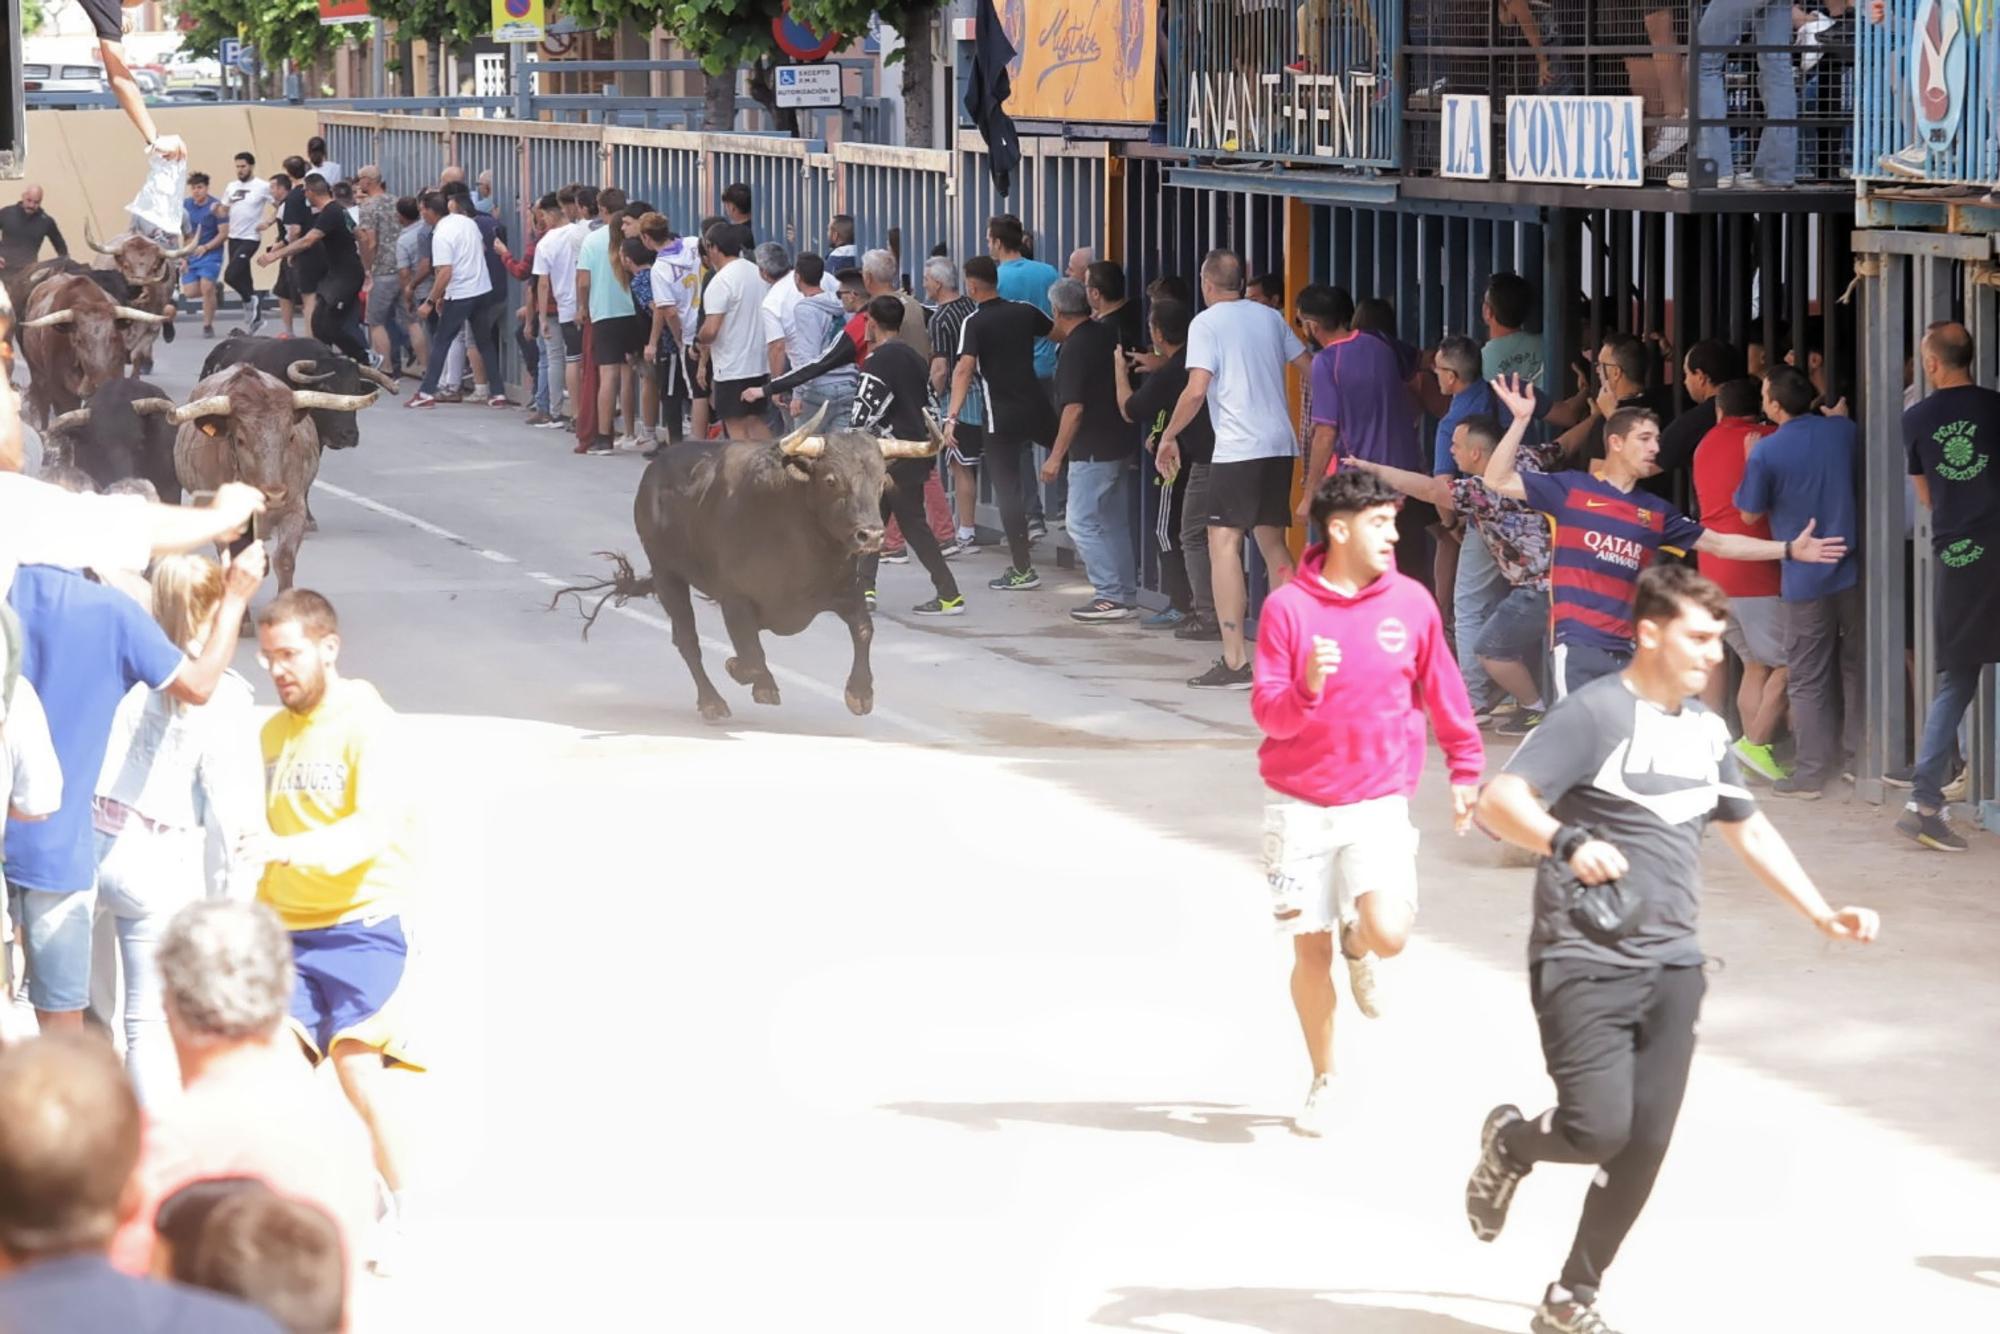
[305, 363]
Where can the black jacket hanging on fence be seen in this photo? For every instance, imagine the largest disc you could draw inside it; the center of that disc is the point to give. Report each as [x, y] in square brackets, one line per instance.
[987, 90]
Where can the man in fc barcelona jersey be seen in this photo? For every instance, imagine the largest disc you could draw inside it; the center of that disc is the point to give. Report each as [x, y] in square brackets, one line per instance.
[1607, 531]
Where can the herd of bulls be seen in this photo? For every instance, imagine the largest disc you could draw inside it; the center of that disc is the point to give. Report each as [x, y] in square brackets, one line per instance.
[262, 412]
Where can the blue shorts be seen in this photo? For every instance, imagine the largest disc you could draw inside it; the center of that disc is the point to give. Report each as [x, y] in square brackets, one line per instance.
[55, 931]
[207, 266]
[346, 992]
[1577, 665]
[1517, 629]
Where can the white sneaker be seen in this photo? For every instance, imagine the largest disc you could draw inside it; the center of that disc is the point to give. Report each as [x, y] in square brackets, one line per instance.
[1673, 138]
[1912, 163]
[1314, 1118]
[1361, 980]
[387, 1243]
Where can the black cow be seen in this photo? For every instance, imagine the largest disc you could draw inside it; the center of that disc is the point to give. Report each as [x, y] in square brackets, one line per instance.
[123, 430]
[773, 530]
[303, 363]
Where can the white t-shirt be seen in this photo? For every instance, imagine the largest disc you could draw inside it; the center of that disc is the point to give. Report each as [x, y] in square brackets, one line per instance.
[779, 302]
[456, 241]
[29, 771]
[737, 294]
[555, 258]
[677, 283]
[246, 200]
[330, 169]
[1245, 346]
[46, 525]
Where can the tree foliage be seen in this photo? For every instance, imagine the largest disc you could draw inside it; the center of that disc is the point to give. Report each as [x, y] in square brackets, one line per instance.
[454, 21]
[33, 16]
[728, 34]
[278, 29]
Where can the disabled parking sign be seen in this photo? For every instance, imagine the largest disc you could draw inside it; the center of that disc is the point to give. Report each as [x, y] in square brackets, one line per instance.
[808, 86]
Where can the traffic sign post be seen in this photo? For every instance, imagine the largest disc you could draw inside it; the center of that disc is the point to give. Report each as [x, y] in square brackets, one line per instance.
[802, 86]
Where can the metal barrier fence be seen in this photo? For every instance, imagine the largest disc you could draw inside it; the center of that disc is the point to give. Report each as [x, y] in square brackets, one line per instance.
[1907, 281]
[663, 167]
[900, 199]
[1928, 98]
[1061, 193]
[790, 190]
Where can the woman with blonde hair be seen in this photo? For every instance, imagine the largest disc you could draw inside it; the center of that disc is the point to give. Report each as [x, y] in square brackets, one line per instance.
[179, 787]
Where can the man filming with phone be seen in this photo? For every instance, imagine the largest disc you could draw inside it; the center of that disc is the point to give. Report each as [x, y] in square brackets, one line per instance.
[1633, 769]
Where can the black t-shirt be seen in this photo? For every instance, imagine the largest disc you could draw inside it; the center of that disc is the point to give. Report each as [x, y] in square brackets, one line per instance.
[342, 255]
[1085, 376]
[21, 237]
[309, 264]
[1680, 438]
[1000, 338]
[1152, 407]
[1954, 440]
[894, 387]
[1649, 782]
[1131, 330]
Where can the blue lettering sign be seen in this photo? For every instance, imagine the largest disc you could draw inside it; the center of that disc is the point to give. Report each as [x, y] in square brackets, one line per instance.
[1468, 127]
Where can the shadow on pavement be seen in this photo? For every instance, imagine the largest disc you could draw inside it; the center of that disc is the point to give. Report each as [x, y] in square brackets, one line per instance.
[1292, 1311]
[1983, 1270]
[1207, 1122]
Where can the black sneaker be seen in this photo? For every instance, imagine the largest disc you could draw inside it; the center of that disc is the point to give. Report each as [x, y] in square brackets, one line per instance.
[599, 446]
[1568, 1316]
[1202, 628]
[941, 607]
[256, 320]
[1797, 791]
[1905, 777]
[1517, 722]
[1490, 1190]
[896, 556]
[1931, 831]
[1015, 581]
[1221, 676]
[1037, 530]
[1103, 609]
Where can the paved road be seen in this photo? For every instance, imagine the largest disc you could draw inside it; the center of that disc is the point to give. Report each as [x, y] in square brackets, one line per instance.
[965, 1017]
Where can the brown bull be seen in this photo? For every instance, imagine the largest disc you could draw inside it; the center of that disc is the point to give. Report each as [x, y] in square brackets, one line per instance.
[242, 425]
[74, 338]
[151, 271]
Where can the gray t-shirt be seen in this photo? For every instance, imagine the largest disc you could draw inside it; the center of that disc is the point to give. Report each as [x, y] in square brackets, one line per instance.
[1649, 781]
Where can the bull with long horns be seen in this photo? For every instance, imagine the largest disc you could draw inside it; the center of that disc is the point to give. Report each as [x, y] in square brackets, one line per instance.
[76, 340]
[151, 271]
[774, 531]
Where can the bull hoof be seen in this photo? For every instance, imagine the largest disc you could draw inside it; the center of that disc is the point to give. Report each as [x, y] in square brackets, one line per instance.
[312, 524]
[765, 694]
[738, 673]
[861, 705]
[714, 710]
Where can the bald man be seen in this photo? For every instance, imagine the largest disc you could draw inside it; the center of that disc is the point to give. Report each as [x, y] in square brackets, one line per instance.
[23, 229]
[1080, 260]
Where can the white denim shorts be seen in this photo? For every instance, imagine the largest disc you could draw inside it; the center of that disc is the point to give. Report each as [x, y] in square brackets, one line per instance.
[1318, 860]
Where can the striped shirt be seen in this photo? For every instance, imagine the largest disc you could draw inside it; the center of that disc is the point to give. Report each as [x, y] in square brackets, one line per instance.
[1604, 538]
[946, 324]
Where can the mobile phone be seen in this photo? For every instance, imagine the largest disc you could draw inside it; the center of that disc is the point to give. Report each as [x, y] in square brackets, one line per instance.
[254, 533]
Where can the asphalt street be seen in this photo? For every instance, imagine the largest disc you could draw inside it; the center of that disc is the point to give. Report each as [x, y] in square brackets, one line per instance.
[967, 1016]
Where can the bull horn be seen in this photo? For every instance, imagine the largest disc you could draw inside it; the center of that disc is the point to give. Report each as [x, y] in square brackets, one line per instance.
[316, 398]
[134, 313]
[181, 253]
[51, 319]
[908, 449]
[804, 442]
[75, 418]
[217, 406]
[90, 239]
[371, 374]
[300, 372]
[146, 407]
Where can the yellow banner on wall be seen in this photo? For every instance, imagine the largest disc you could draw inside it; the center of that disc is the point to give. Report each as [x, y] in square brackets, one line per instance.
[1082, 60]
[517, 20]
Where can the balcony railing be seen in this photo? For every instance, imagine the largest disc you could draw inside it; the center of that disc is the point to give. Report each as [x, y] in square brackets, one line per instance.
[1728, 94]
[1930, 83]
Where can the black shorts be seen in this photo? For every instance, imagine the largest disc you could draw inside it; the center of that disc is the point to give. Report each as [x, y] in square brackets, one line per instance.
[729, 404]
[286, 288]
[107, 19]
[968, 443]
[613, 341]
[572, 336]
[1254, 493]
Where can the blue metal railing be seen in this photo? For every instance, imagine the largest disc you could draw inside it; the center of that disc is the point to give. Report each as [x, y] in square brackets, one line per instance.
[1927, 107]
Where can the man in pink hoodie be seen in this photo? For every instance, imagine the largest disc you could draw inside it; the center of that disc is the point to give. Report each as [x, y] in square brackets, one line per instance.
[1351, 656]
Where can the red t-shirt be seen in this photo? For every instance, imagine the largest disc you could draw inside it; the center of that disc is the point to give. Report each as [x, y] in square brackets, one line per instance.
[857, 329]
[1718, 470]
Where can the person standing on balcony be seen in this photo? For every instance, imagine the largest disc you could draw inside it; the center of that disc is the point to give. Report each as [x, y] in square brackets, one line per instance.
[1723, 24]
[108, 22]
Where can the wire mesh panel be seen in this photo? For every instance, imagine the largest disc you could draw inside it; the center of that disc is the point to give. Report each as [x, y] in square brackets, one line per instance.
[899, 195]
[664, 168]
[1313, 82]
[1928, 93]
[411, 152]
[777, 172]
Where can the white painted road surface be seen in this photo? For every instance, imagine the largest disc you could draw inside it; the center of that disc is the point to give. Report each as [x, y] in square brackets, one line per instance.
[967, 1016]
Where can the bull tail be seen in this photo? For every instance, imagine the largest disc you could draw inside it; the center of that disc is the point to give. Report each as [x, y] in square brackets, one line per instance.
[623, 585]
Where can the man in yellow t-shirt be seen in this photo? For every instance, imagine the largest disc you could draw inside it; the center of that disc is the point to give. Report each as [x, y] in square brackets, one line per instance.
[335, 868]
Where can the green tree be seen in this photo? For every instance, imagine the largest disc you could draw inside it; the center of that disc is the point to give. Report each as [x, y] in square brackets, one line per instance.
[32, 17]
[278, 29]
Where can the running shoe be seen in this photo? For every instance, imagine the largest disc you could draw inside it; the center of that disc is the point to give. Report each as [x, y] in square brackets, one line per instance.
[1015, 581]
[256, 320]
[551, 424]
[1904, 777]
[1199, 628]
[450, 396]
[387, 1242]
[1490, 1190]
[896, 556]
[1102, 609]
[208, 331]
[599, 446]
[1037, 530]
[1361, 980]
[962, 546]
[499, 401]
[537, 418]
[1166, 619]
[1672, 139]
[421, 400]
[868, 596]
[1517, 722]
[1758, 759]
[1567, 1316]
[1789, 786]
[653, 452]
[941, 607]
[1313, 1117]
[1221, 676]
[1930, 831]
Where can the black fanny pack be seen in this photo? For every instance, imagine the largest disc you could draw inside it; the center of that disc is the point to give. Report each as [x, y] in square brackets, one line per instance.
[1605, 913]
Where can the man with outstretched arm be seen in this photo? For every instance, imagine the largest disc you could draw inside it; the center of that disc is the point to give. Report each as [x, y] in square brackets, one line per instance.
[1632, 769]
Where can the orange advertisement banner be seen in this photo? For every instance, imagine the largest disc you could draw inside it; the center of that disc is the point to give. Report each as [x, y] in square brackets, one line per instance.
[1083, 60]
[343, 11]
